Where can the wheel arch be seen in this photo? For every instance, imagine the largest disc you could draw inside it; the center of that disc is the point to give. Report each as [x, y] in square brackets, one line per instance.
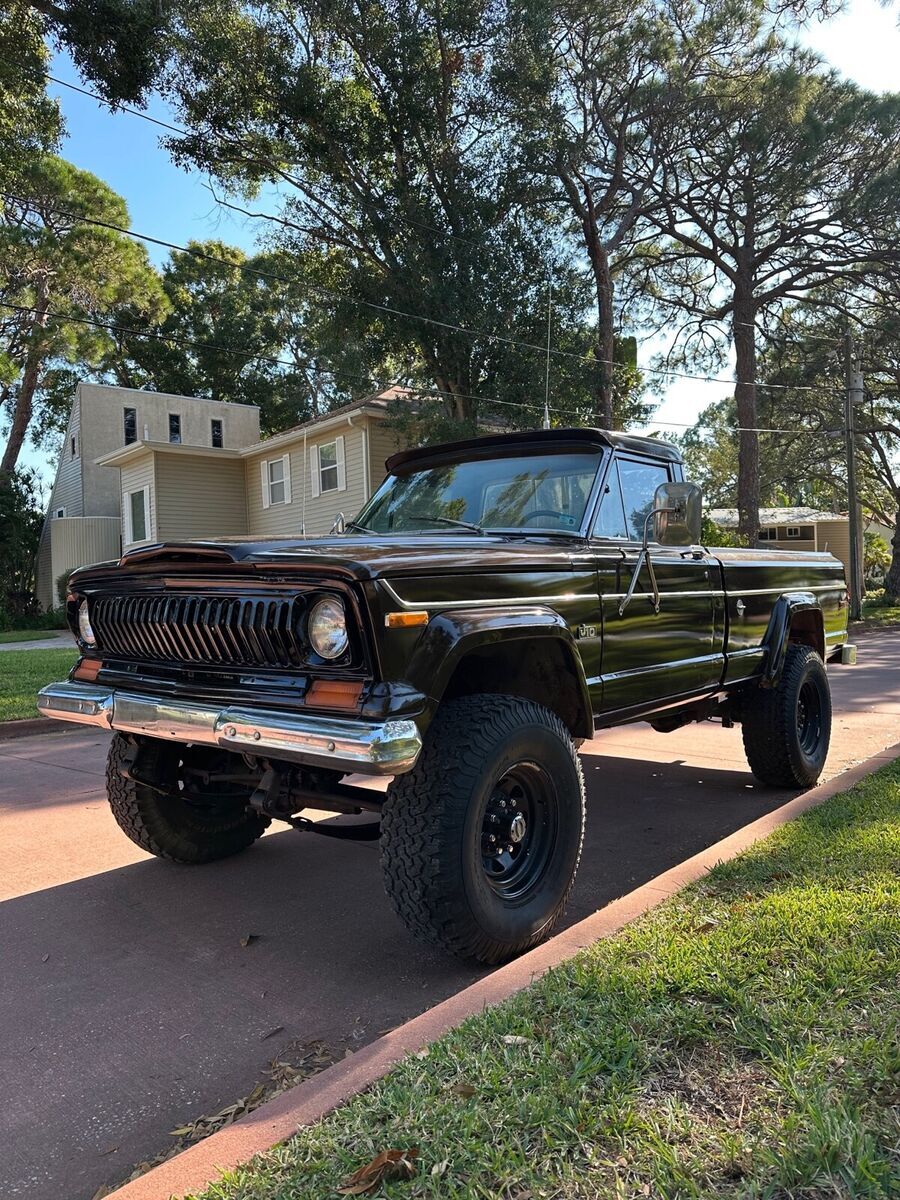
[796, 620]
[531, 654]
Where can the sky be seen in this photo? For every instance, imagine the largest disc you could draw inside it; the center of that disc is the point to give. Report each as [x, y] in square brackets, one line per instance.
[175, 205]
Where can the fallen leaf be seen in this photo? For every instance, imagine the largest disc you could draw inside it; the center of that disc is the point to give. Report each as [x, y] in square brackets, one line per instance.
[441, 1168]
[707, 925]
[45, 958]
[515, 1039]
[248, 938]
[464, 1089]
[102, 1191]
[272, 1032]
[389, 1164]
[181, 1131]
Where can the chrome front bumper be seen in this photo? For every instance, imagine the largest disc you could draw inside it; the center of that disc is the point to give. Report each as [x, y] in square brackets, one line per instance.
[373, 748]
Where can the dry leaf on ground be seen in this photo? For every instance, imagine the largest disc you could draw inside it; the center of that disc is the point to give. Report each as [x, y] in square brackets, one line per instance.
[389, 1164]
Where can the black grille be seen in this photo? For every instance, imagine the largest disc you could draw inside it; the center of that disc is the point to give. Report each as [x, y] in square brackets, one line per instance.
[227, 630]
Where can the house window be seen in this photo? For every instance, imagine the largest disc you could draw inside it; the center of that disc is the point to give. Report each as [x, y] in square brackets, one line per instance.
[216, 433]
[60, 512]
[73, 445]
[800, 531]
[768, 535]
[130, 421]
[175, 428]
[276, 480]
[326, 467]
[137, 515]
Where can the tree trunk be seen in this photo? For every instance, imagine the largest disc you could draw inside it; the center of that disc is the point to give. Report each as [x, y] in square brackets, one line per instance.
[605, 292]
[744, 336]
[892, 578]
[24, 405]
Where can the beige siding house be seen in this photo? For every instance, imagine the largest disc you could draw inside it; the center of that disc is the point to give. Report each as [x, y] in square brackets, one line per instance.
[796, 529]
[293, 484]
[85, 518]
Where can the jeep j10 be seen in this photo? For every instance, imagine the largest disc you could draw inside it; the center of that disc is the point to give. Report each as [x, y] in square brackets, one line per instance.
[494, 604]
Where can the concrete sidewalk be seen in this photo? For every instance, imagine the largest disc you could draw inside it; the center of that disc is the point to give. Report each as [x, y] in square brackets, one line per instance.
[61, 639]
[129, 1006]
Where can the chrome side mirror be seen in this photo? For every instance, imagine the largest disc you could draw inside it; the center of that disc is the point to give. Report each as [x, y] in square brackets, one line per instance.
[339, 525]
[675, 516]
[677, 509]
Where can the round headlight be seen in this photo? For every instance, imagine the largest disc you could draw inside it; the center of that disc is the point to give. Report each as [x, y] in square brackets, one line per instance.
[328, 628]
[84, 625]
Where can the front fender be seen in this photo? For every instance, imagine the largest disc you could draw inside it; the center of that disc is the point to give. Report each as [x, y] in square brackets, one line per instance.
[453, 634]
[786, 610]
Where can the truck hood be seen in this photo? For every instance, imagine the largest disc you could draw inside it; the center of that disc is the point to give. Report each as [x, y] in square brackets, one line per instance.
[356, 557]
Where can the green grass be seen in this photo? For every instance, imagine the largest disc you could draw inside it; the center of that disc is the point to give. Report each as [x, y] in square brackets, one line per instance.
[23, 673]
[26, 635]
[742, 1041]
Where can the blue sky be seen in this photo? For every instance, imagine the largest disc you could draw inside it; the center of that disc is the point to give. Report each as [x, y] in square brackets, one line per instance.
[170, 203]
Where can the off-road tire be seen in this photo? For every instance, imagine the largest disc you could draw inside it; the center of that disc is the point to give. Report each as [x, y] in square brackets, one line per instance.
[166, 825]
[772, 727]
[432, 827]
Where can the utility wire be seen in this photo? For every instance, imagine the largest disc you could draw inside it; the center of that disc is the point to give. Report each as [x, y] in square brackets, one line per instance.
[343, 297]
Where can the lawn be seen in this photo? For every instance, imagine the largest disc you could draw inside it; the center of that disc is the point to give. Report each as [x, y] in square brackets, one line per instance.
[741, 1041]
[26, 635]
[23, 673]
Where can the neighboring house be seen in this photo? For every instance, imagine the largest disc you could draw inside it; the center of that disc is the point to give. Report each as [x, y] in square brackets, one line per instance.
[84, 516]
[797, 529]
[292, 484]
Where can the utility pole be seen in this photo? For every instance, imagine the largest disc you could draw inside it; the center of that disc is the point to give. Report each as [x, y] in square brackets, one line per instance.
[855, 393]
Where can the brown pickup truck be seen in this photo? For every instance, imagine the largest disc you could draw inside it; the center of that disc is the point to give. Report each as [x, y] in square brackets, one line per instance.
[494, 604]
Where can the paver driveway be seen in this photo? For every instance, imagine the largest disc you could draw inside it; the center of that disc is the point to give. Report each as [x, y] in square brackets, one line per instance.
[128, 1005]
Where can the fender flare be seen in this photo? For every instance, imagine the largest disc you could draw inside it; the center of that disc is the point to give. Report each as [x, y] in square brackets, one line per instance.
[778, 633]
[453, 634]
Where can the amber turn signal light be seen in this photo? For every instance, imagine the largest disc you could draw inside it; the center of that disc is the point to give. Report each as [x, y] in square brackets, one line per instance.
[333, 693]
[404, 620]
[88, 669]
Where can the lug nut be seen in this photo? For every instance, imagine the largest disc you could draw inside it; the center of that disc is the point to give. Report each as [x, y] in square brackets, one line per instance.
[510, 849]
[492, 837]
[503, 804]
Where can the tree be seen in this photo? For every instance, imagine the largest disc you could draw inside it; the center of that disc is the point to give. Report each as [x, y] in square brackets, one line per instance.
[118, 46]
[774, 179]
[57, 275]
[394, 151]
[30, 121]
[21, 519]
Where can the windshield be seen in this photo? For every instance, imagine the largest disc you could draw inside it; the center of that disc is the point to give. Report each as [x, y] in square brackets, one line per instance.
[527, 491]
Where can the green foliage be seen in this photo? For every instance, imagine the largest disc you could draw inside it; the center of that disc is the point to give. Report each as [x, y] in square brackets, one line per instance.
[21, 520]
[876, 555]
[57, 273]
[712, 534]
[30, 122]
[394, 150]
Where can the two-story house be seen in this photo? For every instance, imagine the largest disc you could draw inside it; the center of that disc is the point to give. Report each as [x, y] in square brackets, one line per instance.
[141, 467]
[84, 521]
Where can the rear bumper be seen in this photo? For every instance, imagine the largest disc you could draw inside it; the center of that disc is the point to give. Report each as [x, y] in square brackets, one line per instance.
[373, 748]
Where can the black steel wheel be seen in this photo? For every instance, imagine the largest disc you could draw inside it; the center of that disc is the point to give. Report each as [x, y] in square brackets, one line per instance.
[180, 813]
[787, 729]
[481, 840]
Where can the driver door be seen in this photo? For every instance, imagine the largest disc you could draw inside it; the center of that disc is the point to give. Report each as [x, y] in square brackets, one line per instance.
[651, 658]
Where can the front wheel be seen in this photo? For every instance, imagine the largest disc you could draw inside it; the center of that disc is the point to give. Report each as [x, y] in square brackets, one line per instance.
[480, 842]
[181, 817]
[787, 729]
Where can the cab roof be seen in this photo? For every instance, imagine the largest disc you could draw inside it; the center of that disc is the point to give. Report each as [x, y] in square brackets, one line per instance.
[537, 440]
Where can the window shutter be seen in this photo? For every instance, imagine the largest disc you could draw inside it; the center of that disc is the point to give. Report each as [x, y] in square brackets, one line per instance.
[341, 472]
[286, 463]
[264, 480]
[314, 469]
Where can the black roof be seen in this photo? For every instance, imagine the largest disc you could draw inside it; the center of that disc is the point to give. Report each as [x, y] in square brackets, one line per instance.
[536, 439]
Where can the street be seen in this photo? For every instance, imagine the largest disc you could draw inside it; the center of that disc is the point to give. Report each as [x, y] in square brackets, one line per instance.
[130, 1006]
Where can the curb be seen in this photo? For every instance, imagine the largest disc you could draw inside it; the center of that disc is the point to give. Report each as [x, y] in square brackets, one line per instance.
[278, 1119]
[32, 725]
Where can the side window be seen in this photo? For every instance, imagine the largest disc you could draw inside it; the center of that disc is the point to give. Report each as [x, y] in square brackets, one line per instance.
[639, 482]
[175, 428]
[130, 424]
[611, 518]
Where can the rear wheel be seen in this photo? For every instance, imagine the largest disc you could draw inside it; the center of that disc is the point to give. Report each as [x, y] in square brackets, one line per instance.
[481, 840]
[184, 816]
[787, 729]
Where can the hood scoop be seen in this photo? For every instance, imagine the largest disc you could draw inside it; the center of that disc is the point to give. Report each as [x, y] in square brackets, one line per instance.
[183, 552]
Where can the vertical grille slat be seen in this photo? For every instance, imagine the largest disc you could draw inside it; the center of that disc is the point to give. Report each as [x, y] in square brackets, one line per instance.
[225, 630]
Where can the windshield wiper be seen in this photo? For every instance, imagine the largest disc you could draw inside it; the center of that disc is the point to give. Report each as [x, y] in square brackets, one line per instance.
[361, 528]
[447, 521]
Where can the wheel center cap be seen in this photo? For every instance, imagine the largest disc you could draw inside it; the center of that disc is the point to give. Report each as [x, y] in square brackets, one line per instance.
[517, 828]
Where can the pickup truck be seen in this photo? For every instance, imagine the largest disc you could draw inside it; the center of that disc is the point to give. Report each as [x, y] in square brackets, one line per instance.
[495, 603]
